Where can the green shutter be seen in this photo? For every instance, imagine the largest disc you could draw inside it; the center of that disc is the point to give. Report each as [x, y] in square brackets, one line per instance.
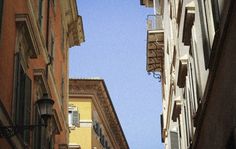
[20, 97]
[75, 117]
[17, 73]
[27, 107]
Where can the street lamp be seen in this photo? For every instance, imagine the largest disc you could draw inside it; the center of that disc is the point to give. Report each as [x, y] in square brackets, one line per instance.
[44, 105]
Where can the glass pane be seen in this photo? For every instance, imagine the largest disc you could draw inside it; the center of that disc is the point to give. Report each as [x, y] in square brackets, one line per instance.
[70, 120]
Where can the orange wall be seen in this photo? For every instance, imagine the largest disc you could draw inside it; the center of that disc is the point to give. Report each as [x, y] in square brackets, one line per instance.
[7, 49]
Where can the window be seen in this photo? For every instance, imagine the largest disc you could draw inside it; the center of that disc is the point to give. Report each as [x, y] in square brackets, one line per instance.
[188, 23]
[73, 117]
[186, 127]
[190, 109]
[212, 18]
[179, 12]
[158, 5]
[70, 118]
[174, 140]
[96, 127]
[182, 72]
[193, 75]
[102, 140]
[211, 12]
[22, 99]
[193, 85]
[105, 144]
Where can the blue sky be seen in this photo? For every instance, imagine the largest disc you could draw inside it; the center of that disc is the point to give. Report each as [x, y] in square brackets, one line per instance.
[115, 50]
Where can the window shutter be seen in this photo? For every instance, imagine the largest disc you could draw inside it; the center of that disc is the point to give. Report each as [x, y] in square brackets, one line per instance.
[162, 127]
[75, 118]
[17, 72]
[27, 109]
[20, 91]
[174, 140]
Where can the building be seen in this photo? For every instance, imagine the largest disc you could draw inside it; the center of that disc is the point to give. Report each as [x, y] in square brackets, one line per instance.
[35, 36]
[190, 47]
[92, 118]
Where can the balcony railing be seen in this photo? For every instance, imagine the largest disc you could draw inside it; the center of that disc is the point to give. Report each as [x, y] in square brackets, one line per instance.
[154, 22]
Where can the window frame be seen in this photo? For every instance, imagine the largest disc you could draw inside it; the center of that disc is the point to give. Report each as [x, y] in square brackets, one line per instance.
[71, 122]
[22, 97]
[209, 26]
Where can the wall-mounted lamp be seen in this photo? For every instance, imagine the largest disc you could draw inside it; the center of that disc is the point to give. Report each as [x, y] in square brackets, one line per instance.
[44, 105]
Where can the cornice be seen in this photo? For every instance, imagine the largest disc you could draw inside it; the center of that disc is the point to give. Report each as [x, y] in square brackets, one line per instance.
[98, 88]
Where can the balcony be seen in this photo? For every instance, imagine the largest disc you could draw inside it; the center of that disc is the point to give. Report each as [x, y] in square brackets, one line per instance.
[155, 43]
[147, 3]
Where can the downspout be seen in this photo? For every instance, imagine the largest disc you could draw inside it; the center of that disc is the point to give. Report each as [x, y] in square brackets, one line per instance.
[47, 29]
[47, 38]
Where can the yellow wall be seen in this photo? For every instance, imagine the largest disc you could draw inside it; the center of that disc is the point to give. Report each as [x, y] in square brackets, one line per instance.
[95, 141]
[85, 135]
[85, 107]
[82, 135]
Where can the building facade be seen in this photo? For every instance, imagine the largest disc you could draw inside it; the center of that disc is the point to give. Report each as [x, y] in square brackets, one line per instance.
[35, 36]
[190, 48]
[92, 118]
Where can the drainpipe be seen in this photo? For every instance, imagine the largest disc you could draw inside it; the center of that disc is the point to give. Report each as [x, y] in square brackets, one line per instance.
[47, 38]
[47, 29]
